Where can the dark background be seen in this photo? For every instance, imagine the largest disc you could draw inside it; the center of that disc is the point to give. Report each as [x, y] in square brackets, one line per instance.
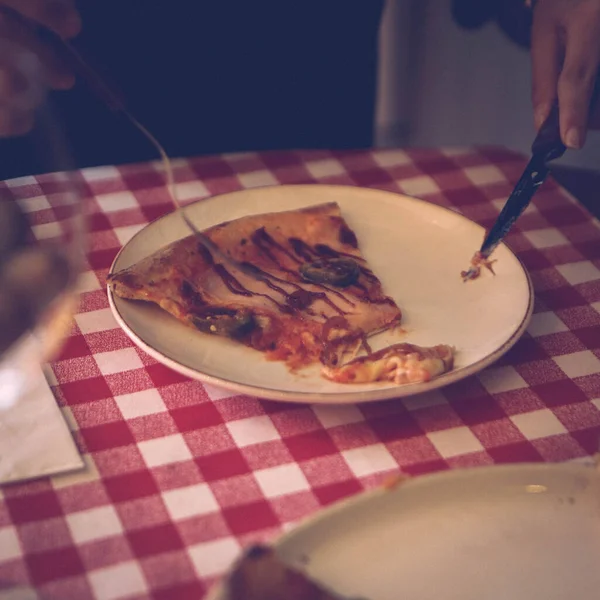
[218, 76]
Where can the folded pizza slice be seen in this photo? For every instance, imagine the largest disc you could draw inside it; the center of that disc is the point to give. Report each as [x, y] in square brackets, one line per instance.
[400, 364]
[315, 298]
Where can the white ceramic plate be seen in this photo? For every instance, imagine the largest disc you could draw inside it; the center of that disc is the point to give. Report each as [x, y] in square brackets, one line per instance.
[416, 248]
[519, 532]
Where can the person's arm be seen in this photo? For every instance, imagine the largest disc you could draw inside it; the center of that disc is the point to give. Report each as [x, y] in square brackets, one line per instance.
[24, 57]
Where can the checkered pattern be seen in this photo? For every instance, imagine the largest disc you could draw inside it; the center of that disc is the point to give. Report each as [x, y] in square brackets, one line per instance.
[181, 475]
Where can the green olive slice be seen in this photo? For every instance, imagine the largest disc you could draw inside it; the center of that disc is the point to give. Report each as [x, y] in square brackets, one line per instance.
[340, 272]
[225, 322]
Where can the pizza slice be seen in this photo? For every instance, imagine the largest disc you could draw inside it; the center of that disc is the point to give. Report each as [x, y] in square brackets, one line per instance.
[400, 363]
[260, 575]
[316, 298]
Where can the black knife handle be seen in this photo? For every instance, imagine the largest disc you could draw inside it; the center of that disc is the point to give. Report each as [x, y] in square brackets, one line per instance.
[548, 144]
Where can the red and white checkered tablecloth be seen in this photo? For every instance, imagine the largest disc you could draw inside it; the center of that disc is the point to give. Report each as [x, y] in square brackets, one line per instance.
[180, 475]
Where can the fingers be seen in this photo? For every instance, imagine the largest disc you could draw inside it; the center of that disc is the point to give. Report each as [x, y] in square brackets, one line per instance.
[577, 79]
[28, 66]
[545, 65]
[59, 15]
[14, 121]
[18, 99]
[12, 83]
[15, 38]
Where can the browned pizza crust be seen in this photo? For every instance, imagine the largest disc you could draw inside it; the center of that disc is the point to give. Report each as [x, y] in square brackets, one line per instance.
[285, 315]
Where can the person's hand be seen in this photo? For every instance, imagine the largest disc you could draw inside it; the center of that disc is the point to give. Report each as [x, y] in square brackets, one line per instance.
[565, 53]
[27, 64]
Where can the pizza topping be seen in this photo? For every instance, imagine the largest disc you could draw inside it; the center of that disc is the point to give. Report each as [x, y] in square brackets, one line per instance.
[301, 248]
[300, 298]
[338, 338]
[477, 262]
[206, 255]
[335, 349]
[333, 325]
[233, 285]
[266, 334]
[190, 295]
[335, 293]
[340, 272]
[328, 252]
[264, 241]
[224, 321]
[347, 236]
[368, 274]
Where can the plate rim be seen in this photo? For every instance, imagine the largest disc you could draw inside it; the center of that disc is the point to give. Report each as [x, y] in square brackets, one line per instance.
[217, 591]
[333, 398]
[459, 474]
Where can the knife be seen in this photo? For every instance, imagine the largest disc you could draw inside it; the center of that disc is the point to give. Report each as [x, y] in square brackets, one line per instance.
[113, 100]
[546, 147]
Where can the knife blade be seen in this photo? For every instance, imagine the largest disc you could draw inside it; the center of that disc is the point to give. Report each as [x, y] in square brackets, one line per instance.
[547, 146]
[108, 94]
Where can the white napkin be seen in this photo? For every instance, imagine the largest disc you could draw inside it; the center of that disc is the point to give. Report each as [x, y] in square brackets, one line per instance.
[34, 438]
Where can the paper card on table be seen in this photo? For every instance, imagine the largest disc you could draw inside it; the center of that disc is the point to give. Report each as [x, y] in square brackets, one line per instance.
[34, 438]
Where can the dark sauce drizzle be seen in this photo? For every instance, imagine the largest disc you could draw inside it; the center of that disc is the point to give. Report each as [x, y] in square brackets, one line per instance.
[299, 299]
[366, 298]
[191, 296]
[328, 252]
[302, 249]
[308, 253]
[368, 274]
[362, 288]
[262, 242]
[230, 281]
[233, 285]
[347, 236]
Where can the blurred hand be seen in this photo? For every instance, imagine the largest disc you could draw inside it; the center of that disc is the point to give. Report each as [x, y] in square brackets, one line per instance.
[565, 52]
[27, 64]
